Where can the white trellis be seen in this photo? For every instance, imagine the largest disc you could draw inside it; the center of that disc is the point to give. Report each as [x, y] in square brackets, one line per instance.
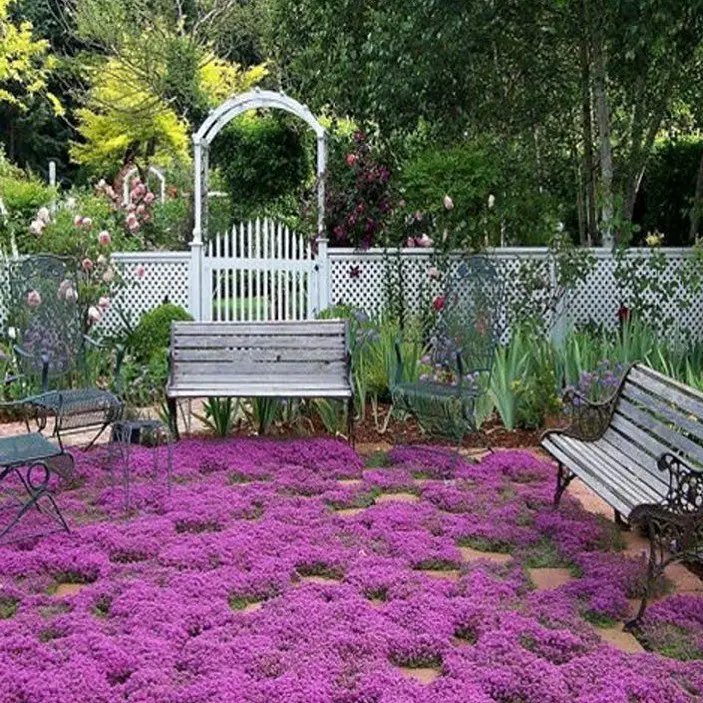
[202, 266]
[153, 171]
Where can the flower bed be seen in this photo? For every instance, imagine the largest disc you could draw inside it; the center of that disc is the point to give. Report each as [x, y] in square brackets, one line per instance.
[255, 583]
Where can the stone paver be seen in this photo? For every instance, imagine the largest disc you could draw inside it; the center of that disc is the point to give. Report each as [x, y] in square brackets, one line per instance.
[68, 589]
[349, 512]
[425, 675]
[549, 579]
[252, 607]
[620, 639]
[349, 481]
[469, 554]
[323, 580]
[398, 498]
[446, 574]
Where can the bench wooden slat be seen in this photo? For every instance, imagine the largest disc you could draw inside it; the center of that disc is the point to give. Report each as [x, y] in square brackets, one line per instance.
[234, 355]
[659, 430]
[259, 341]
[272, 370]
[611, 472]
[687, 397]
[640, 457]
[647, 442]
[586, 475]
[660, 406]
[293, 328]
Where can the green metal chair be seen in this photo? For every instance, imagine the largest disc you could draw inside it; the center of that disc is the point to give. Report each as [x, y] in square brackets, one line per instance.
[46, 317]
[461, 347]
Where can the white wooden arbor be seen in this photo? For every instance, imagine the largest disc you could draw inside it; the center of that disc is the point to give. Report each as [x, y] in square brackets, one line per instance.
[202, 140]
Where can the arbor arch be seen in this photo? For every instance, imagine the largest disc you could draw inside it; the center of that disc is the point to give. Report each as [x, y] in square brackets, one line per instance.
[224, 114]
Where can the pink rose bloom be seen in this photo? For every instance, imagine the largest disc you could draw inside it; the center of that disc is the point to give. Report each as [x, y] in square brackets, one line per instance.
[104, 302]
[140, 209]
[424, 241]
[418, 216]
[94, 315]
[34, 298]
[87, 222]
[104, 238]
[36, 227]
[77, 220]
[149, 198]
[433, 272]
[71, 295]
[351, 159]
[438, 303]
[87, 265]
[140, 271]
[448, 203]
[410, 243]
[109, 275]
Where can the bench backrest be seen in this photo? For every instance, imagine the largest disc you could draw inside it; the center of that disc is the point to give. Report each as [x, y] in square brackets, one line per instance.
[220, 352]
[655, 415]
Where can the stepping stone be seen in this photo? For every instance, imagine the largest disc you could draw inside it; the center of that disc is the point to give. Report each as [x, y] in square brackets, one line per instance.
[446, 574]
[424, 675]
[398, 498]
[620, 639]
[635, 545]
[377, 602]
[252, 607]
[349, 481]
[322, 580]
[365, 448]
[684, 580]
[349, 512]
[469, 554]
[68, 589]
[548, 579]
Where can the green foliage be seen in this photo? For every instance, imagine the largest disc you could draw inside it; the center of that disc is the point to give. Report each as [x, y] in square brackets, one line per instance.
[153, 332]
[262, 159]
[262, 413]
[509, 368]
[22, 196]
[219, 415]
[668, 189]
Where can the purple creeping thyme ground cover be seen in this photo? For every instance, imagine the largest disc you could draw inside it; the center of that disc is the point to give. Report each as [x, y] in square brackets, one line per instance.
[166, 614]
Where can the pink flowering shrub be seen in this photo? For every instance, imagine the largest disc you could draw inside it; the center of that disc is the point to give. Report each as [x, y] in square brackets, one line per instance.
[164, 615]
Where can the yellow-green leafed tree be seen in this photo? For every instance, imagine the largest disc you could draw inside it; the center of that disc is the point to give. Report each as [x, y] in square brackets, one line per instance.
[159, 80]
[25, 63]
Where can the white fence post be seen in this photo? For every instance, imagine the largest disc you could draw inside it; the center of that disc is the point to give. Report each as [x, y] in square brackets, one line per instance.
[323, 276]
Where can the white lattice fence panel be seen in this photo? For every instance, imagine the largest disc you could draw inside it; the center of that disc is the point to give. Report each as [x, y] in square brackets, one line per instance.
[166, 278]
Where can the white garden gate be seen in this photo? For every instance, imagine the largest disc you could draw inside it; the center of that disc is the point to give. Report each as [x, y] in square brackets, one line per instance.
[259, 271]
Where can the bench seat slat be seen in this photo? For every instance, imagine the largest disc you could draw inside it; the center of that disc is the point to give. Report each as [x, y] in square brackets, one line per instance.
[273, 371]
[685, 397]
[296, 328]
[594, 482]
[645, 461]
[611, 472]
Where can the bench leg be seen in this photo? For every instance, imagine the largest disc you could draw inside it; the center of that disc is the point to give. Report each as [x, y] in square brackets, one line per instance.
[350, 422]
[564, 478]
[654, 571]
[621, 522]
[173, 417]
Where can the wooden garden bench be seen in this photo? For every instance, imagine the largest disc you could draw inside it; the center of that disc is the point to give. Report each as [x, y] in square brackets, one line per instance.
[641, 451]
[297, 359]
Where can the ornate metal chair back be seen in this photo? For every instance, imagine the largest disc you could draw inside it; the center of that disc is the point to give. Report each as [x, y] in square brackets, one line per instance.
[469, 324]
[45, 314]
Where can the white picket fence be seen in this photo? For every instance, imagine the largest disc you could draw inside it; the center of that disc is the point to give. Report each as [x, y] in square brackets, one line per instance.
[259, 271]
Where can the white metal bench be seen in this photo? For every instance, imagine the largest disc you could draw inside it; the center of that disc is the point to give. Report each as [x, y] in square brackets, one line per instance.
[297, 359]
[642, 452]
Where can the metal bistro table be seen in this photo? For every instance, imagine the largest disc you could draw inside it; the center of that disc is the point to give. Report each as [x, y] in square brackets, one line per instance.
[147, 433]
[32, 459]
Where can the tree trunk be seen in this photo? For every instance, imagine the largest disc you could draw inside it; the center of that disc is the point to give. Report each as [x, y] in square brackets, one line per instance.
[580, 204]
[587, 126]
[603, 113]
[697, 203]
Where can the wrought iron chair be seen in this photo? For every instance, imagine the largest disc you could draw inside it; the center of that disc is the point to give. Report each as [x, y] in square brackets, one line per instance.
[46, 316]
[461, 348]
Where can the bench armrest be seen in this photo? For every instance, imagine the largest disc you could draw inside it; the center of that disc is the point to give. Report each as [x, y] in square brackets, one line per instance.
[588, 420]
[685, 495]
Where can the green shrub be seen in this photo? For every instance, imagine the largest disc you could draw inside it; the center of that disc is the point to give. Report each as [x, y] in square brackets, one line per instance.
[261, 159]
[152, 333]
